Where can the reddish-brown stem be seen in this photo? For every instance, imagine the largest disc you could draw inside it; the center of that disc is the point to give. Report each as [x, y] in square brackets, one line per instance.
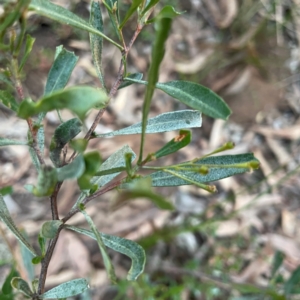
[53, 201]
[34, 144]
[100, 192]
[45, 263]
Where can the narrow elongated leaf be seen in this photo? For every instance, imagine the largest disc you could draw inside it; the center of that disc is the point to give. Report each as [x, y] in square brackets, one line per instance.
[34, 158]
[158, 52]
[113, 11]
[135, 76]
[8, 221]
[60, 71]
[9, 101]
[141, 188]
[78, 99]
[97, 41]
[116, 160]
[6, 287]
[292, 282]
[67, 289]
[21, 285]
[62, 135]
[180, 141]
[134, 6]
[149, 5]
[49, 229]
[129, 248]
[40, 138]
[9, 142]
[277, 262]
[5, 78]
[28, 47]
[162, 123]
[27, 259]
[62, 15]
[218, 167]
[73, 170]
[106, 260]
[195, 96]
[16, 11]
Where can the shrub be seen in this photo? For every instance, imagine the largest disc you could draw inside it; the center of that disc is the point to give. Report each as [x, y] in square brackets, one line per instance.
[95, 177]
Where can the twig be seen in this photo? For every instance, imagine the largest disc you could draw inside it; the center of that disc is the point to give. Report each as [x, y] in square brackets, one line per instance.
[45, 263]
[53, 201]
[100, 192]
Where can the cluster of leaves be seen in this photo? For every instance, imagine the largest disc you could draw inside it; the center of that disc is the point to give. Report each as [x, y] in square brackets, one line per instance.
[95, 177]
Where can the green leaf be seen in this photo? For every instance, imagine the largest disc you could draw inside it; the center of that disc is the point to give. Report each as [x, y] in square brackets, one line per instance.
[8, 221]
[92, 162]
[36, 260]
[13, 15]
[180, 141]
[9, 101]
[116, 160]
[34, 158]
[149, 5]
[6, 287]
[158, 51]
[167, 12]
[292, 282]
[49, 229]
[62, 135]
[194, 95]
[42, 244]
[62, 15]
[78, 99]
[124, 246]
[219, 167]
[134, 76]
[106, 260]
[5, 78]
[28, 47]
[40, 138]
[7, 190]
[27, 258]
[21, 285]
[277, 262]
[133, 7]
[68, 289]
[197, 97]
[97, 41]
[79, 145]
[71, 171]
[60, 71]
[9, 142]
[109, 168]
[162, 123]
[141, 188]
[47, 179]
[113, 11]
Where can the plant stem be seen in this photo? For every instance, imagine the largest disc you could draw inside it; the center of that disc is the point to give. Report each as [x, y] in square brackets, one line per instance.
[100, 192]
[45, 263]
